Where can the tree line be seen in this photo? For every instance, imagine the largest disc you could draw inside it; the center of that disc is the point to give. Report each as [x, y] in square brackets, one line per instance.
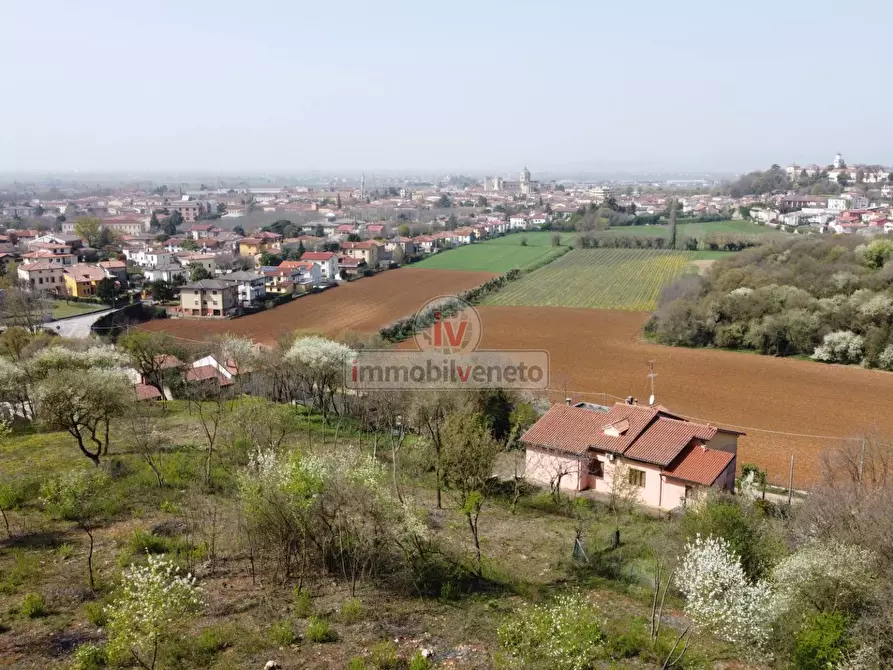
[828, 298]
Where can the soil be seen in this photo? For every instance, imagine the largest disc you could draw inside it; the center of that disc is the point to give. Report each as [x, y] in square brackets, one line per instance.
[364, 305]
[595, 352]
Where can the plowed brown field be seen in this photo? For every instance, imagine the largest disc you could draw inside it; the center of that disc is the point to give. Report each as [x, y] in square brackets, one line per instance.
[365, 305]
[596, 351]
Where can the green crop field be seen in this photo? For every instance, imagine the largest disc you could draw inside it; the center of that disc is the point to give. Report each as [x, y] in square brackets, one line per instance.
[698, 230]
[498, 255]
[627, 279]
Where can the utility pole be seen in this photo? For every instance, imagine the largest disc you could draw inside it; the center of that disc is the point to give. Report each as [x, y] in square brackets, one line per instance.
[651, 375]
[791, 482]
[862, 462]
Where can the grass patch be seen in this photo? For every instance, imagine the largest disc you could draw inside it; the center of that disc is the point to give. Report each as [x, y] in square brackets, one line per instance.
[498, 255]
[301, 602]
[629, 279]
[698, 230]
[383, 655]
[320, 630]
[62, 310]
[351, 610]
[282, 633]
[33, 606]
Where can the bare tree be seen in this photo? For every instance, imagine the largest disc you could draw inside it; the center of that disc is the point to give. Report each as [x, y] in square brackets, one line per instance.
[429, 412]
[152, 355]
[143, 438]
[469, 455]
[24, 308]
[624, 494]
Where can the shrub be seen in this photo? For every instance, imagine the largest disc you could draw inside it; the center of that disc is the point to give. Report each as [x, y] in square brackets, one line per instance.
[566, 635]
[282, 633]
[741, 525]
[357, 663]
[34, 606]
[96, 613]
[821, 642]
[143, 542]
[351, 610]
[842, 346]
[303, 607]
[320, 630]
[419, 662]
[383, 655]
[89, 657]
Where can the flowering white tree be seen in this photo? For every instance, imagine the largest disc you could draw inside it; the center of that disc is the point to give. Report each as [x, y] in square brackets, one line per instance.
[83, 403]
[151, 604]
[823, 577]
[565, 635]
[320, 365]
[719, 598]
[842, 346]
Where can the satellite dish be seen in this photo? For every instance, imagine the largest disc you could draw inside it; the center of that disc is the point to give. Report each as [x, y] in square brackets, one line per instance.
[651, 400]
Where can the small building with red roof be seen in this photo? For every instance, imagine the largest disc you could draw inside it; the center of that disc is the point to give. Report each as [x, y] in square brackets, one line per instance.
[664, 458]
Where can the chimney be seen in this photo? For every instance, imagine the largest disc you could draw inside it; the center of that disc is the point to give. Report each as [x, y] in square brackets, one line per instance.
[569, 401]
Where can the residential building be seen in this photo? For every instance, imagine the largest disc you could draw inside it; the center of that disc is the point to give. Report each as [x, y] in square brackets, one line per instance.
[208, 297]
[150, 258]
[207, 261]
[116, 270]
[199, 230]
[327, 262]
[43, 275]
[81, 280]
[53, 253]
[837, 204]
[253, 246]
[518, 222]
[251, 287]
[308, 272]
[668, 459]
[857, 201]
[125, 225]
[370, 252]
[171, 273]
[190, 210]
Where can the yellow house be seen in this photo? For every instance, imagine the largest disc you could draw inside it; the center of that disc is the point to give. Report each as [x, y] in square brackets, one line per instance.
[252, 246]
[81, 280]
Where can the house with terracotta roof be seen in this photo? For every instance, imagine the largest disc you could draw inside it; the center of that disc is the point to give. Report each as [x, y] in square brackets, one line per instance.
[370, 252]
[81, 280]
[666, 458]
[43, 275]
[326, 260]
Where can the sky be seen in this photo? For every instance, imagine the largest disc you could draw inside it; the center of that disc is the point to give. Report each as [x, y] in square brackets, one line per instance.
[486, 86]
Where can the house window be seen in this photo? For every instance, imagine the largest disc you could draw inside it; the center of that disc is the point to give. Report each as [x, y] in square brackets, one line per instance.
[637, 477]
[595, 468]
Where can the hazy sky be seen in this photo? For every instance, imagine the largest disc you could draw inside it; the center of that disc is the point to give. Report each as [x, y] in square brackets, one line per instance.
[492, 84]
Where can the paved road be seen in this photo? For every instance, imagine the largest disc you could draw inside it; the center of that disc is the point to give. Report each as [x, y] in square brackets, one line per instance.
[77, 327]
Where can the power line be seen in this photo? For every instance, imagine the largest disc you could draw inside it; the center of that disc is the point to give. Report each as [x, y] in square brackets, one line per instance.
[723, 423]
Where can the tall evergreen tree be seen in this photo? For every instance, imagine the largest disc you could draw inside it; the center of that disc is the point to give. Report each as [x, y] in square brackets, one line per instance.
[673, 223]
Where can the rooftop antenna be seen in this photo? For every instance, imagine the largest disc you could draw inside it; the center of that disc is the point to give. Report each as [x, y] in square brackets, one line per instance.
[651, 375]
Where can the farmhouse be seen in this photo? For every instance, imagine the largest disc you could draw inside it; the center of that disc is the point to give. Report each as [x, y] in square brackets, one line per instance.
[667, 459]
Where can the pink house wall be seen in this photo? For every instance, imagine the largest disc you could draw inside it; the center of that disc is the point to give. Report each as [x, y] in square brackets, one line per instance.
[542, 468]
[660, 491]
